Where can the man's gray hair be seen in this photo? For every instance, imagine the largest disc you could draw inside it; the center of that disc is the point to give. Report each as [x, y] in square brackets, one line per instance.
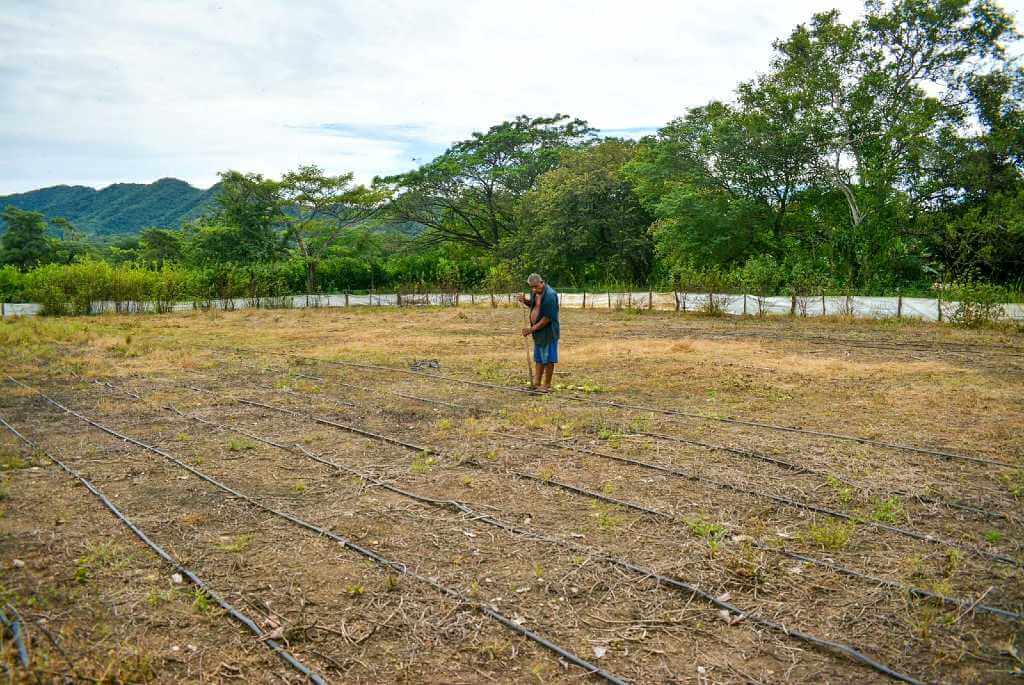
[534, 279]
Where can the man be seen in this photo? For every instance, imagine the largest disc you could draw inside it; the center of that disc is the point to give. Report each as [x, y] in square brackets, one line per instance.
[543, 306]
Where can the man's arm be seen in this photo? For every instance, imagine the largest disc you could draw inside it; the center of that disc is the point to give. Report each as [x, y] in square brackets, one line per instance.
[544, 321]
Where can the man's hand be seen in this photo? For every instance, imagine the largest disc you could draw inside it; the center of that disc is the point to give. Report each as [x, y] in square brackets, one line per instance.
[527, 331]
[522, 298]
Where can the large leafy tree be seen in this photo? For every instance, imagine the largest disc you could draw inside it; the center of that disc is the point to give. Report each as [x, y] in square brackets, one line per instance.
[318, 210]
[723, 179]
[584, 222]
[24, 244]
[470, 193]
[245, 226]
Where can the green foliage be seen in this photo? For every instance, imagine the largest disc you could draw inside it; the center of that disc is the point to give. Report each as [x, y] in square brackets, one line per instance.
[584, 223]
[471, 192]
[830, 534]
[24, 243]
[977, 303]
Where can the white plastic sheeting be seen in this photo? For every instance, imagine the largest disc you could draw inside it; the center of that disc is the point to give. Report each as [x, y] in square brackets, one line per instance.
[830, 305]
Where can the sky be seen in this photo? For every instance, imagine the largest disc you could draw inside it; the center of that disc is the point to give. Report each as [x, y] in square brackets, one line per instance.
[94, 93]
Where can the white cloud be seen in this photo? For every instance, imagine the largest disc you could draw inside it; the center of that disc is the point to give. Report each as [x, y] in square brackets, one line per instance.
[96, 93]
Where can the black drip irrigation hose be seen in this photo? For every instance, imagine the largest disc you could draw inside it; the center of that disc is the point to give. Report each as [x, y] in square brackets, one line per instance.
[14, 626]
[274, 645]
[918, 592]
[789, 502]
[785, 501]
[630, 505]
[591, 669]
[649, 574]
[660, 410]
[797, 468]
[842, 570]
[748, 454]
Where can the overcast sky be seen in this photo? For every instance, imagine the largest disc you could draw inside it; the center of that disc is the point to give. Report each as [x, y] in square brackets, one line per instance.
[95, 93]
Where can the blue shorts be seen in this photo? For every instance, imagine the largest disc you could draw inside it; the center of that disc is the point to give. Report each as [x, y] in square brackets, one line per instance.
[546, 354]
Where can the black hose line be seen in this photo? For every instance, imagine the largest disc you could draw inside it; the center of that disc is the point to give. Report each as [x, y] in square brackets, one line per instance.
[661, 410]
[464, 508]
[274, 645]
[679, 473]
[366, 552]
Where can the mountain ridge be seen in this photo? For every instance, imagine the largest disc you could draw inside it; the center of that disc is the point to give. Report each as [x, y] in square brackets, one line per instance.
[119, 208]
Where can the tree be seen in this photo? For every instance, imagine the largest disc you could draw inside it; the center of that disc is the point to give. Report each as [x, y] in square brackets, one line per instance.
[584, 223]
[160, 246]
[470, 193]
[722, 180]
[250, 206]
[24, 244]
[318, 210]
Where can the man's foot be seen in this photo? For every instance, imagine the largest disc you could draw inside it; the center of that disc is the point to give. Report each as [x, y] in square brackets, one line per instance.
[544, 388]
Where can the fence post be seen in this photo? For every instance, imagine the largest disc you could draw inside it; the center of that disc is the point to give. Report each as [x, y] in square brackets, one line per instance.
[675, 294]
[792, 304]
[899, 304]
[744, 304]
[584, 299]
[824, 312]
[650, 299]
[609, 300]
[938, 300]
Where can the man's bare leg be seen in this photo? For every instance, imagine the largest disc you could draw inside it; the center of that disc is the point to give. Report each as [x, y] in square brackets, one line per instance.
[538, 372]
[549, 370]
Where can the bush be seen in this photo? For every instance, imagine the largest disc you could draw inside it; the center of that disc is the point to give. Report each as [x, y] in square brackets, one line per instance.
[976, 304]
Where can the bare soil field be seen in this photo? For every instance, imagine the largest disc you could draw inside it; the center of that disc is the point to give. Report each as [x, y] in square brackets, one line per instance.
[700, 500]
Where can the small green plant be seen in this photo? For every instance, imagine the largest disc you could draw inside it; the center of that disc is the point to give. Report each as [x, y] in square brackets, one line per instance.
[993, 536]
[538, 570]
[390, 583]
[299, 488]
[355, 590]
[954, 558]
[240, 543]
[240, 444]
[698, 526]
[831, 534]
[5, 491]
[1015, 483]
[9, 461]
[608, 488]
[444, 425]
[546, 474]
[201, 601]
[492, 454]
[607, 517]
[888, 510]
[642, 423]
[466, 481]
[422, 463]
[843, 492]
[182, 437]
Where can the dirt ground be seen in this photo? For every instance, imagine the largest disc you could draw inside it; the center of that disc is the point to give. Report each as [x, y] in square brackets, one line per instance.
[656, 517]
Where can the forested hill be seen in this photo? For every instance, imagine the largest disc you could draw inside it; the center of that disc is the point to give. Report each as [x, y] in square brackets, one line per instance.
[118, 209]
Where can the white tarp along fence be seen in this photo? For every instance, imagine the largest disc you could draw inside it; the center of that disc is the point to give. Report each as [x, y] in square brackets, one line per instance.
[821, 305]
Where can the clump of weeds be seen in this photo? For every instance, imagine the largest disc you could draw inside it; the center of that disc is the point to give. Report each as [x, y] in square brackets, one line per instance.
[1015, 483]
[608, 518]
[239, 543]
[844, 493]
[830, 534]
[422, 464]
[240, 445]
[888, 510]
